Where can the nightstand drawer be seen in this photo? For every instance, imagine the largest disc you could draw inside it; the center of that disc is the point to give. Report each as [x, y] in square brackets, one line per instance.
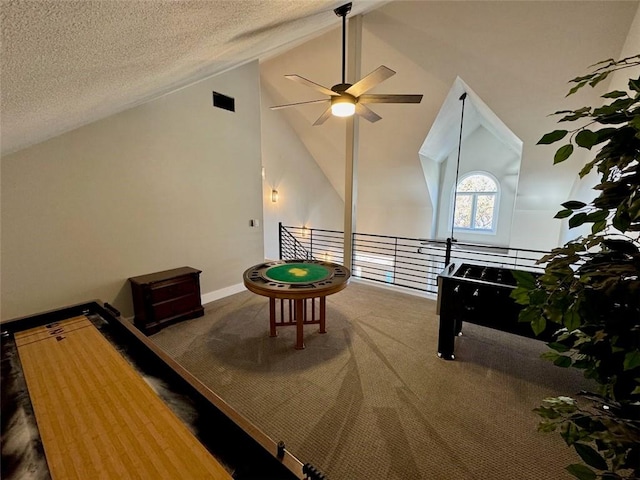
[175, 307]
[163, 291]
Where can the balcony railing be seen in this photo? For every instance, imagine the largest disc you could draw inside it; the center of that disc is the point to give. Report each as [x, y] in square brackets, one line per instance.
[405, 262]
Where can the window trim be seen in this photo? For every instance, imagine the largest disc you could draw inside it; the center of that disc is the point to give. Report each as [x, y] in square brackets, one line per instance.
[496, 205]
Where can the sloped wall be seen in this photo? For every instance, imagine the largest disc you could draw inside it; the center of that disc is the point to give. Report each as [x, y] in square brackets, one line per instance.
[170, 183]
[305, 195]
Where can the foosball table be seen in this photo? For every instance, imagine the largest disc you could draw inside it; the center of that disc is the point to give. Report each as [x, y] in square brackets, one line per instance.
[480, 295]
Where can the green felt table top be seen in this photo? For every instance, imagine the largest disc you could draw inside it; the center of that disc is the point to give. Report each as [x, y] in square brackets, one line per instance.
[297, 273]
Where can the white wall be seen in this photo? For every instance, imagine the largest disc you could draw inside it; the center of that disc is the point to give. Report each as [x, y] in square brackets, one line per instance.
[170, 183]
[481, 151]
[305, 195]
[583, 188]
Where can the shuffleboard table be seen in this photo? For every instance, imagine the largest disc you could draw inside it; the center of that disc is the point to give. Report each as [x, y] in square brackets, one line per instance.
[86, 395]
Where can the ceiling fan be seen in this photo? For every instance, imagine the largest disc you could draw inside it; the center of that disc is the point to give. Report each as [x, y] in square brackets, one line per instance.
[345, 98]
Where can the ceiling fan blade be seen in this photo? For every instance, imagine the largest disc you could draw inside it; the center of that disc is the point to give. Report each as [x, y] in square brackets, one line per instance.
[380, 74]
[309, 83]
[278, 107]
[389, 98]
[323, 118]
[367, 113]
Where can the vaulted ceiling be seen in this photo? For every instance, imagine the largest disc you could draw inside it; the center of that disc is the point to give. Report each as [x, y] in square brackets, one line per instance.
[68, 63]
[518, 57]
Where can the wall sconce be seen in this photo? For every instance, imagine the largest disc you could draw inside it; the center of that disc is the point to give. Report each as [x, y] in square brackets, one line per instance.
[274, 196]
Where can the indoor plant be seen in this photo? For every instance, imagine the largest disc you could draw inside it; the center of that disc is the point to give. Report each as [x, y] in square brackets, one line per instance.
[589, 292]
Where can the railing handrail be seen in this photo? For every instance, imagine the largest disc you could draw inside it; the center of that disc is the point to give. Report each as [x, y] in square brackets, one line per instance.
[455, 243]
[282, 229]
[413, 263]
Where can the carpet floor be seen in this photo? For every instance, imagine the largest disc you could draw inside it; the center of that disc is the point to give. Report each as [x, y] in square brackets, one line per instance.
[370, 399]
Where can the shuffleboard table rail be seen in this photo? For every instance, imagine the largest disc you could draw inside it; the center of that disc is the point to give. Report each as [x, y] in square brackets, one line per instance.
[243, 449]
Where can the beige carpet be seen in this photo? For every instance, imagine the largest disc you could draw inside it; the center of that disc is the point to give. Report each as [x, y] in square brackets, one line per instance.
[370, 399]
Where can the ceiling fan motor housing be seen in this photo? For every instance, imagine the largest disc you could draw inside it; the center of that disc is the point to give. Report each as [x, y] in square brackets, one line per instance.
[340, 88]
[343, 11]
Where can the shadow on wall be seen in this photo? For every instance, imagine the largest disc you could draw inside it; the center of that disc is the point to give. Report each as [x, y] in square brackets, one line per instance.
[123, 300]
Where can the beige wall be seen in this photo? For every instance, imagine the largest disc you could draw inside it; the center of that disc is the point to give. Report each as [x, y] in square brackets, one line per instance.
[306, 197]
[170, 183]
[583, 188]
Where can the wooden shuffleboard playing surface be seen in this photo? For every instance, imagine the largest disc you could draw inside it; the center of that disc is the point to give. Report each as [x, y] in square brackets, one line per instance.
[97, 416]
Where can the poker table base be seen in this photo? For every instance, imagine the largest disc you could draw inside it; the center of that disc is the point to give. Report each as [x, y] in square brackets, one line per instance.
[297, 291]
[298, 312]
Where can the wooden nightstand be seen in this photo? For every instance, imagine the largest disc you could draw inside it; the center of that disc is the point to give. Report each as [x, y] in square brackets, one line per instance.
[166, 297]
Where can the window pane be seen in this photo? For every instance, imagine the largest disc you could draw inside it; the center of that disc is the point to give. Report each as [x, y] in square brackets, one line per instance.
[484, 211]
[477, 183]
[463, 211]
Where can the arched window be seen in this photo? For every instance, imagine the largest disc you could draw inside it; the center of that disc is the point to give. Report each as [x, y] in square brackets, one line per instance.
[476, 204]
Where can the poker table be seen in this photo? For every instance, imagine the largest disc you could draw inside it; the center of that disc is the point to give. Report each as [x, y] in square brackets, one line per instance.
[296, 284]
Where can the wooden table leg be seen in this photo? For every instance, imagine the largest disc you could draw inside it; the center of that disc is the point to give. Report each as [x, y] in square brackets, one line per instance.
[272, 317]
[299, 323]
[323, 309]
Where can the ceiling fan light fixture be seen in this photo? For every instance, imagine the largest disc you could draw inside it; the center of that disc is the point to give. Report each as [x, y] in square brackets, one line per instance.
[343, 106]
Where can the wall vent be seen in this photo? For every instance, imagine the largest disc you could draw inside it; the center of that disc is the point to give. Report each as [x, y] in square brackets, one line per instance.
[224, 102]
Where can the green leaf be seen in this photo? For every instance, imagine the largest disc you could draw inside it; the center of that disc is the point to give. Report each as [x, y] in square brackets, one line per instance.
[549, 355]
[605, 134]
[546, 427]
[558, 347]
[587, 168]
[598, 227]
[577, 87]
[581, 471]
[520, 295]
[552, 137]
[563, 213]
[621, 221]
[598, 78]
[632, 360]
[615, 94]
[538, 297]
[574, 205]
[586, 138]
[524, 279]
[618, 245]
[598, 216]
[528, 314]
[571, 320]
[577, 220]
[590, 456]
[563, 361]
[563, 153]
[538, 325]
[576, 114]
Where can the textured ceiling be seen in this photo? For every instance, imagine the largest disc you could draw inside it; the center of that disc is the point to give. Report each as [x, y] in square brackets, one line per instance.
[68, 63]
